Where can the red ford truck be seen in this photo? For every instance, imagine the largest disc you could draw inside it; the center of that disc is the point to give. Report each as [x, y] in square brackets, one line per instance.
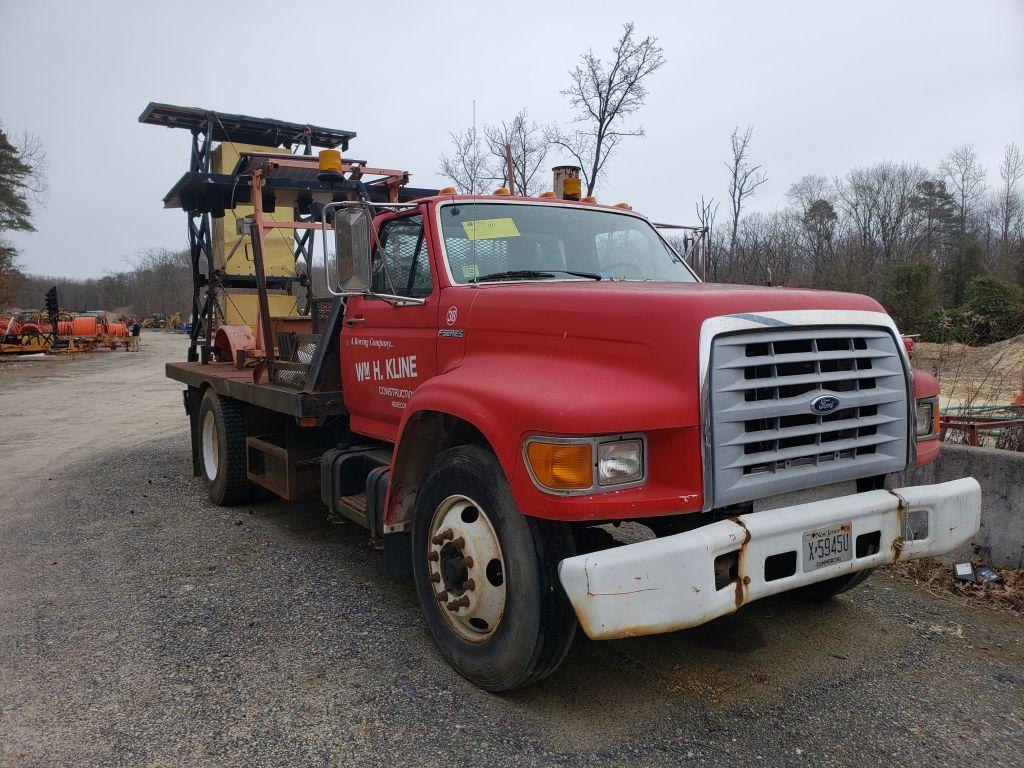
[483, 381]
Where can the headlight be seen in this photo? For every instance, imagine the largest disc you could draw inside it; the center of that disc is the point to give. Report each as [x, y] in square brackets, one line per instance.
[620, 462]
[576, 466]
[926, 419]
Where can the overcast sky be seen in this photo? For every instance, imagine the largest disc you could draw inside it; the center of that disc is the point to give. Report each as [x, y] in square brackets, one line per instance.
[827, 85]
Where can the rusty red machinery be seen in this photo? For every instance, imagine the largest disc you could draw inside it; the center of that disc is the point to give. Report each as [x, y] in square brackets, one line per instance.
[998, 425]
[32, 332]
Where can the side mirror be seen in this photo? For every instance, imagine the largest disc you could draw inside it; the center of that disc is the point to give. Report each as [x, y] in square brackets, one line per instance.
[352, 249]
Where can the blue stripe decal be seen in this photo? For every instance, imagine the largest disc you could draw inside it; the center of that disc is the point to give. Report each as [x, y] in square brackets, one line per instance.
[762, 320]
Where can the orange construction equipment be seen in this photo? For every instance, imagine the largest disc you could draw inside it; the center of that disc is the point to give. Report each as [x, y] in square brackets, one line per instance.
[84, 326]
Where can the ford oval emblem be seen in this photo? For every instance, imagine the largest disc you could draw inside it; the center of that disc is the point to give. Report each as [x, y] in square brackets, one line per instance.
[824, 404]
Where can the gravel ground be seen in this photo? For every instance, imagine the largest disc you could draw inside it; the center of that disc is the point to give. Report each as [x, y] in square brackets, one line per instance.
[141, 625]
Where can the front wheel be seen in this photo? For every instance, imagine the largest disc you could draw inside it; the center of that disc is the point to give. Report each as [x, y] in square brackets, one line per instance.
[487, 576]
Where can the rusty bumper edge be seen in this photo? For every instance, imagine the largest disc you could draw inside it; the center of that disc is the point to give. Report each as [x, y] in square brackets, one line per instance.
[667, 584]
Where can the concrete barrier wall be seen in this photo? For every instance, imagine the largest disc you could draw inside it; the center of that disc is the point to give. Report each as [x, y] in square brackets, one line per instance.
[1000, 541]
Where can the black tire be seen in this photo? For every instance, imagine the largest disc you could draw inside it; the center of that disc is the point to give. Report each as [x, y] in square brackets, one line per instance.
[229, 484]
[826, 590]
[538, 623]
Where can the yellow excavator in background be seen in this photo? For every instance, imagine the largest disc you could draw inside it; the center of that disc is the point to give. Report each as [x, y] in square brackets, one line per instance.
[160, 320]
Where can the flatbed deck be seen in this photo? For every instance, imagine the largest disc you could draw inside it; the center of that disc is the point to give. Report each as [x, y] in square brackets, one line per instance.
[225, 379]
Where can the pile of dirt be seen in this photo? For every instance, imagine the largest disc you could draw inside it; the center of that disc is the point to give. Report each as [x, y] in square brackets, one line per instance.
[988, 375]
[938, 579]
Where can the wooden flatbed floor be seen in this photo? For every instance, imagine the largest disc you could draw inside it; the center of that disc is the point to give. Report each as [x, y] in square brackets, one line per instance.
[227, 380]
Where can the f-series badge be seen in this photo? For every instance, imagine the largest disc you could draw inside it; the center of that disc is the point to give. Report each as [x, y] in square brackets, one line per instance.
[824, 404]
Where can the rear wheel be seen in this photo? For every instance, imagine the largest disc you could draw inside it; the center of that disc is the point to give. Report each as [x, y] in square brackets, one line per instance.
[486, 575]
[221, 438]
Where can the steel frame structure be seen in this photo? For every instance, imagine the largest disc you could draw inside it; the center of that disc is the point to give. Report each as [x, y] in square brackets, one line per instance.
[204, 195]
[207, 127]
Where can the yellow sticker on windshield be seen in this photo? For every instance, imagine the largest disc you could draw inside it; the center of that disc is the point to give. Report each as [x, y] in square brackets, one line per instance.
[490, 229]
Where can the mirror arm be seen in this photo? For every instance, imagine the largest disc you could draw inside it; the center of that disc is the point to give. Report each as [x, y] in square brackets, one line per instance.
[397, 301]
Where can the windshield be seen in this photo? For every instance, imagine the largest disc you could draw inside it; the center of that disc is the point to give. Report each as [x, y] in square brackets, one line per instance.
[551, 242]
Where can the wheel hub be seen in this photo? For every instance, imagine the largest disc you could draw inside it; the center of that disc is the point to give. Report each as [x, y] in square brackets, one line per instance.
[466, 569]
[211, 452]
[454, 571]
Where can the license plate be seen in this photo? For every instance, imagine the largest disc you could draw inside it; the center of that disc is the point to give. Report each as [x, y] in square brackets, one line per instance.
[827, 546]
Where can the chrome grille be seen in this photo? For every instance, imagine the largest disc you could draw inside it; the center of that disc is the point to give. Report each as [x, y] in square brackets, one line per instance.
[765, 437]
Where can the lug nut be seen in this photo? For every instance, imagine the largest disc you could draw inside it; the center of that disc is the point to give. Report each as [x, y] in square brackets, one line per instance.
[435, 577]
[469, 561]
[461, 602]
[433, 557]
[459, 542]
[443, 536]
[470, 585]
[442, 595]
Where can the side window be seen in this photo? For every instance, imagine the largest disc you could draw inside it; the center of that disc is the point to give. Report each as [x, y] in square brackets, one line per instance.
[402, 265]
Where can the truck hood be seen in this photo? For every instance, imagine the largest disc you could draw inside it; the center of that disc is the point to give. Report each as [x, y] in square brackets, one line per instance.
[573, 338]
[658, 316]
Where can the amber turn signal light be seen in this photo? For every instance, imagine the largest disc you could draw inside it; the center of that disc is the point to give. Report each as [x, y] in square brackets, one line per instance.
[562, 466]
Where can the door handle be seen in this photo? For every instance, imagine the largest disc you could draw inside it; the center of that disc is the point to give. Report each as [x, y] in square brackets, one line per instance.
[351, 321]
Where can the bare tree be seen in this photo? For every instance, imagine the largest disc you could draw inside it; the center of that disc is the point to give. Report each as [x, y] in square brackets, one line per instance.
[529, 146]
[744, 177]
[707, 210]
[816, 220]
[966, 181]
[1010, 204]
[602, 96]
[467, 165]
[36, 183]
[809, 190]
[897, 187]
[858, 200]
[161, 276]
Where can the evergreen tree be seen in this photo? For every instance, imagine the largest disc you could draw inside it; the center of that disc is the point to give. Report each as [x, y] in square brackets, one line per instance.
[15, 175]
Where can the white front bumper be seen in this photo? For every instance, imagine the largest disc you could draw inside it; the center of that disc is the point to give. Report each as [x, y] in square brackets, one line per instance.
[667, 584]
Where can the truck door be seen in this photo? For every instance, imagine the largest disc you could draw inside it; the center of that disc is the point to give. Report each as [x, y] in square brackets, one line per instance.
[387, 351]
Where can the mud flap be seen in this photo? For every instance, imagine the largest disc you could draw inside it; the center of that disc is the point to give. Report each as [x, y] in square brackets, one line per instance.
[192, 401]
